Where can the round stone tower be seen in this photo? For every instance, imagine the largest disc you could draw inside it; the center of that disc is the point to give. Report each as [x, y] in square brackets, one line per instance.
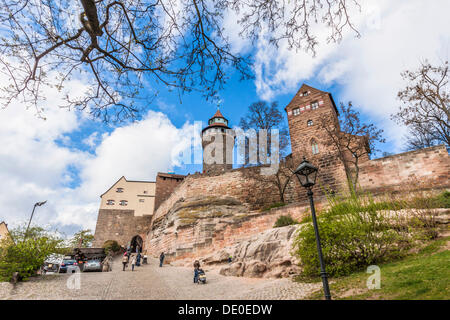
[218, 145]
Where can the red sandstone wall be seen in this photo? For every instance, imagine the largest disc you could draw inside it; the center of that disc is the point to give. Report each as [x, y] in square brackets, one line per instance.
[425, 168]
[248, 191]
[120, 225]
[190, 241]
[165, 185]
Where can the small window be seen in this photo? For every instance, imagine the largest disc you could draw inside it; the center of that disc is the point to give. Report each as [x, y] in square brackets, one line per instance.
[109, 202]
[314, 147]
[123, 202]
[314, 105]
[305, 94]
[296, 111]
[310, 123]
[141, 200]
[119, 190]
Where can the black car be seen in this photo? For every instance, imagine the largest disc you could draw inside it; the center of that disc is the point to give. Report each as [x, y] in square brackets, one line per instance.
[65, 263]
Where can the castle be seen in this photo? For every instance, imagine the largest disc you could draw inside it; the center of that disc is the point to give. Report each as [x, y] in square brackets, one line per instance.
[187, 215]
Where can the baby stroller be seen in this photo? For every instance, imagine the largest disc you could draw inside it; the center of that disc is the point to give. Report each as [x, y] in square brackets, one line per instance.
[201, 276]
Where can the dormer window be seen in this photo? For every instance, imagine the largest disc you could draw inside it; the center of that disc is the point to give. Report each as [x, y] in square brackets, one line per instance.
[309, 123]
[296, 111]
[109, 202]
[123, 202]
[314, 105]
[120, 190]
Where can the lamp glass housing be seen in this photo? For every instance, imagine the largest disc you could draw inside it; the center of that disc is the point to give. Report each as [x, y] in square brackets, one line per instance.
[306, 174]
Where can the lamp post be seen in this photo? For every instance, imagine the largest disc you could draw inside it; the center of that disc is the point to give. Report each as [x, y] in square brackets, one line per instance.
[306, 174]
[37, 204]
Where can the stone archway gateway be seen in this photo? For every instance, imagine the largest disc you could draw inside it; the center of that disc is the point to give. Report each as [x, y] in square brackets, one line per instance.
[136, 244]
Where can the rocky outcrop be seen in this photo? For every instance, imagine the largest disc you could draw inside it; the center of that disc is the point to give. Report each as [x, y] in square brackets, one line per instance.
[210, 229]
[267, 254]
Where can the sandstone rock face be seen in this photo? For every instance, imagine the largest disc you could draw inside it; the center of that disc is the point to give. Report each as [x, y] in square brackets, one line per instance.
[211, 229]
[267, 254]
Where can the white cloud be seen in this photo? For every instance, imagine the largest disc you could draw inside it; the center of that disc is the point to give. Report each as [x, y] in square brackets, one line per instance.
[137, 151]
[92, 140]
[395, 35]
[34, 167]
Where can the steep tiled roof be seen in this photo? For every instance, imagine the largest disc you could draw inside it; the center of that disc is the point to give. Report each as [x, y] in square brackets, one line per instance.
[218, 114]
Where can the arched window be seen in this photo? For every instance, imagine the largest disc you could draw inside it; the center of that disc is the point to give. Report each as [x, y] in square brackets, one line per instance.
[314, 147]
[309, 123]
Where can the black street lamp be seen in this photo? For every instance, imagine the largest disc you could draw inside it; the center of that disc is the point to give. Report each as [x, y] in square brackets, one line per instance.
[37, 204]
[307, 174]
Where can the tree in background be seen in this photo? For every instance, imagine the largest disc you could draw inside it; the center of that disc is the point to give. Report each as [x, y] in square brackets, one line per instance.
[264, 116]
[82, 239]
[25, 254]
[426, 110]
[115, 46]
[354, 141]
[280, 179]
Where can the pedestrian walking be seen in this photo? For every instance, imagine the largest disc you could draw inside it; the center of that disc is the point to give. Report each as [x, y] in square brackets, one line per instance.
[133, 262]
[124, 261]
[161, 259]
[138, 259]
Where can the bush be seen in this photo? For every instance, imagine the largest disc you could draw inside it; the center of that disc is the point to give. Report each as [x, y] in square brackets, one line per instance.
[349, 242]
[358, 231]
[111, 246]
[26, 255]
[443, 199]
[283, 221]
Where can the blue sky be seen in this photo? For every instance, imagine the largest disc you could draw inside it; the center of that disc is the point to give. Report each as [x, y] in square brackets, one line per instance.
[70, 159]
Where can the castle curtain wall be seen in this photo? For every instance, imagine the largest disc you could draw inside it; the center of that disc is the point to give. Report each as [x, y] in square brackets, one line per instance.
[120, 225]
[421, 169]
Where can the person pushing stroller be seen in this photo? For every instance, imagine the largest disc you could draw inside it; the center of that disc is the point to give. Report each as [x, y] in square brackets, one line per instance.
[199, 274]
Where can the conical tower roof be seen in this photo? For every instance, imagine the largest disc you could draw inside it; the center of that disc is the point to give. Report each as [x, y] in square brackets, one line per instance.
[217, 120]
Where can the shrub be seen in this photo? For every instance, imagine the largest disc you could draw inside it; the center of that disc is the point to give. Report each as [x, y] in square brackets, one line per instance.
[283, 221]
[358, 231]
[349, 242]
[443, 199]
[111, 246]
[26, 255]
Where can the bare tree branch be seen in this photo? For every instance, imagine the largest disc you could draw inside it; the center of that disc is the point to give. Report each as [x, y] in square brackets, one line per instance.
[115, 46]
[426, 110]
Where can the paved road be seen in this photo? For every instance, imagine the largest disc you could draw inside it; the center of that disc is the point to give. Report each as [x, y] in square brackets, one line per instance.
[151, 282]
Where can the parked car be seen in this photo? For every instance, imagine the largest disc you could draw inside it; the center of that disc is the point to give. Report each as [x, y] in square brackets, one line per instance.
[50, 267]
[92, 265]
[66, 263]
